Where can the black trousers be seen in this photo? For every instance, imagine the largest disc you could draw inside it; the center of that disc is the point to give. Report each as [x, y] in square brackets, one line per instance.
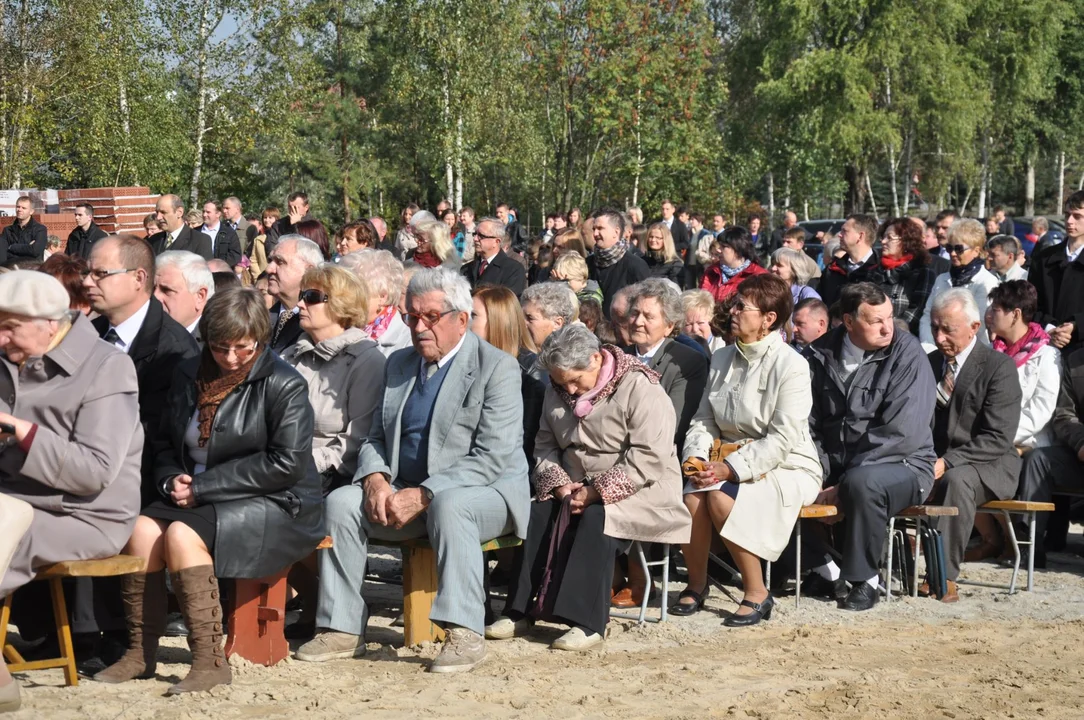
[868, 496]
[1043, 470]
[584, 596]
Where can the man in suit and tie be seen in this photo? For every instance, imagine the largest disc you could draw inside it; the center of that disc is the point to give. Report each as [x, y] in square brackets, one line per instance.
[974, 423]
[177, 235]
[286, 266]
[233, 215]
[225, 245]
[491, 265]
[183, 284]
[444, 460]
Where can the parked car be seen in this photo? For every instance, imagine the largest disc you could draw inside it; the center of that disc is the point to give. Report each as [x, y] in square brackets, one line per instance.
[1022, 228]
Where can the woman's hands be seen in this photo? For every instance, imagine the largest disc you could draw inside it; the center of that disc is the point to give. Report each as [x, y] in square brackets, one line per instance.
[22, 427]
[582, 496]
[717, 472]
[182, 494]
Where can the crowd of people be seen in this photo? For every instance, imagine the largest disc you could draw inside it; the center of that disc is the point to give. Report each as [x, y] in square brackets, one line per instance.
[218, 395]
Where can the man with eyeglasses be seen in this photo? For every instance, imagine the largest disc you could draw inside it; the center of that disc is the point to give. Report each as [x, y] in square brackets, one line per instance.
[445, 462]
[860, 264]
[176, 234]
[491, 265]
[85, 234]
[26, 238]
[286, 265]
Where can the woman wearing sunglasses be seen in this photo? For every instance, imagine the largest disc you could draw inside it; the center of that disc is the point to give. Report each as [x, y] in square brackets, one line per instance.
[240, 495]
[966, 247]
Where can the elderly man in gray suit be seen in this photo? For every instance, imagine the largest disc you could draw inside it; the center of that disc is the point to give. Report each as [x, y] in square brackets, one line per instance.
[444, 460]
[974, 423]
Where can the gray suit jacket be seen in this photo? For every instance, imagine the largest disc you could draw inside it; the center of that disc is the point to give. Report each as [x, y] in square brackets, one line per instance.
[684, 376]
[983, 414]
[476, 434]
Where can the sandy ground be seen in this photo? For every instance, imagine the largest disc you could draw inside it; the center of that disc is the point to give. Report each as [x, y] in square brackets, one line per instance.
[990, 655]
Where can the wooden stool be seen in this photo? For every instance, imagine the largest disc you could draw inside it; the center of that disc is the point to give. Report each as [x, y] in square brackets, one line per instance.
[55, 574]
[1008, 508]
[918, 514]
[808, 512]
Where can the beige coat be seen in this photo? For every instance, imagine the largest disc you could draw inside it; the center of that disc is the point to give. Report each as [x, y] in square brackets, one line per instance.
[346, 380]
[82, 472]
[632, 430]
[761, 393]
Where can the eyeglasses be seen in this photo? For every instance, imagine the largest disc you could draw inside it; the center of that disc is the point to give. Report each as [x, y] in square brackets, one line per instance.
[487, 237]
[99, 275]
[891, 239]
[313, 297]
[429, 319]
[741, 306]
[243, 352]
[958, 249]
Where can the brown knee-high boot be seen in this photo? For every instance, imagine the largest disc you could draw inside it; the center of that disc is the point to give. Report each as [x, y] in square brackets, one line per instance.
[199, 598]
[144, 597]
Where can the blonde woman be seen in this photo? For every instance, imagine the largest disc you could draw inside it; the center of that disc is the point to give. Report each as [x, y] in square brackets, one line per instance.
[661, 257]
[384, 277]
[699, 307]
[434, 246]
[797, 269]
[571, 269]
[967, 249]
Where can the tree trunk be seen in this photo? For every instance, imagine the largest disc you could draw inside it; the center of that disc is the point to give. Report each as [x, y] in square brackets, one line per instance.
[853, 201]
[984, 183]
[892, 180]
[459, 160]
[1029, 185]
[201, 105]
[786, 190]
[869, 192]
[639, 150]
[446, 134]
[344, 140]
[805, 209]
[1061, 182]
[771, 201]
[907, 175]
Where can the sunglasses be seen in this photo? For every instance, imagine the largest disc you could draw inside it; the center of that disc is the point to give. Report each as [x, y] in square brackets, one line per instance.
[429, 319]
[313, 297]
[958, 249]
[741, 306]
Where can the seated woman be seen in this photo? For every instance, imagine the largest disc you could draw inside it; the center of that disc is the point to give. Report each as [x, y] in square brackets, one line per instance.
[1038, 366]
[661, 257]
[240, 493]
[384, 277]
[355, 236]
[498, 319]
[906, 274]
[699, 307]
[758, 396]
[74, 453]
[314, 230]
[967, 247]
[606, 461]
[733, 260]
[434, 246]
[796, 268]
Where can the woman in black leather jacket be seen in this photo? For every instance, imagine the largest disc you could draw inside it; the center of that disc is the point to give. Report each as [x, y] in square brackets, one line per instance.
[240, 492]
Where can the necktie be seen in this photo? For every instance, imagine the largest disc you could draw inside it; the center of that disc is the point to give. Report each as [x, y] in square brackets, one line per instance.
[948, 384]
[429, 371]
[111, 336]
[482, 266]
[284, 317]
[169, 240]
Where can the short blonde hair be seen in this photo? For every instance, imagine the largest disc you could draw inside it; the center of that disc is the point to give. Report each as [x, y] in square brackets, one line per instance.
[439, 238]
[698, 300]
[668, 251]
[347, 294]
[968, 232]
[570, 266]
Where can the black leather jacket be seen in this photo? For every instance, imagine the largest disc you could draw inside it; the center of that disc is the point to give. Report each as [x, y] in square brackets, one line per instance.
[260, 474]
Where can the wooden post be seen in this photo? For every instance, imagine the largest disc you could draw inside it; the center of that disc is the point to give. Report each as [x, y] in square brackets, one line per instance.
[258, 619]
[419, 590]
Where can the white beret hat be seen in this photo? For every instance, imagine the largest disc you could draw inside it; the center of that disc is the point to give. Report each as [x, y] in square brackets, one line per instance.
[33, 294]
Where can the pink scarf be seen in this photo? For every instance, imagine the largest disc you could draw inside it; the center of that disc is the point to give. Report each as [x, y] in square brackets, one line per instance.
[1025, 348]
[585, 403]
[377, 327]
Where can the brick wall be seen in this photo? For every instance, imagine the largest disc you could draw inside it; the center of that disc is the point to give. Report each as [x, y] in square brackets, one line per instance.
[116, 209]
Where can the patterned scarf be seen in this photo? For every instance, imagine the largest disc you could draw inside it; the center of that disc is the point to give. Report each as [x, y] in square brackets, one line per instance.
[381, 323]
[1025, 348]
[729, 272]
[963, 275]
[426, 259]
[615, 366]
[604, 258]
[212, 387]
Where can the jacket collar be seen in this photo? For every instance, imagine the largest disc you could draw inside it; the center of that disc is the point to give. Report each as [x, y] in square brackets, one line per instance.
[76, 345]
[147, 339]
[352, 341]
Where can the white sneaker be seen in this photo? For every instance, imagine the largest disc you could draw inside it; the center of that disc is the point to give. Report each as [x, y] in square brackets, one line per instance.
[577, 640]
[504, 628]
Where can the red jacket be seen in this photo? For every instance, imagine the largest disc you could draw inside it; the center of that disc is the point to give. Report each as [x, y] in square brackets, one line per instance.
[720, 288]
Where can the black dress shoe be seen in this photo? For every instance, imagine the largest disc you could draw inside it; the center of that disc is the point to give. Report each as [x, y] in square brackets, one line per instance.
[175, 626]
[300, 630]
[698, 598]
[761, 611]
[862, 596]
[816, 585]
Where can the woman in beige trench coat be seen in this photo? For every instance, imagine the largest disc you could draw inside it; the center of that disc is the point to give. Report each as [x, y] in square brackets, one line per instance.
[605, 455]
[758, 394]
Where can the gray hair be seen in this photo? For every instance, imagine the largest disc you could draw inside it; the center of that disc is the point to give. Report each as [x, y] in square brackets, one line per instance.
[666, 294]
[441, 279]
[380, 269]
[1006, 243]
[957, 296]
[500, 227]
[192, 267]
[569, 348]
[306, 249]
[801, 265]
[554, 299]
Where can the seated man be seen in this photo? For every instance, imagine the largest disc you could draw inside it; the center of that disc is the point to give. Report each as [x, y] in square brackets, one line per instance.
[974, 423]
[873, 398]
[444, 461]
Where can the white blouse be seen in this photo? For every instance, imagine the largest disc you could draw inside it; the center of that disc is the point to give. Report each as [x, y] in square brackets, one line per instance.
[1040, 380]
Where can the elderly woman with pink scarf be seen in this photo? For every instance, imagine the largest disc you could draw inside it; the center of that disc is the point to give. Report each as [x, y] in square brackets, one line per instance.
[606, 473]
[384, 276]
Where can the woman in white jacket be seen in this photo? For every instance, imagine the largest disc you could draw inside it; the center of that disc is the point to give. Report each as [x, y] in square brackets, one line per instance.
[966, 244]
[759, 396]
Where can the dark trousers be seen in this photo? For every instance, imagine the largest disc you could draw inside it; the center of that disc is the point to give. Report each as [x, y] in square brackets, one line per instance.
[583, 599]
[94, 605]
[868, 496]
[962, 488]
[1044, 470]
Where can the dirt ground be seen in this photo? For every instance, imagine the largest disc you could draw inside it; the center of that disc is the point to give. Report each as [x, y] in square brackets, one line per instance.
[990, 655]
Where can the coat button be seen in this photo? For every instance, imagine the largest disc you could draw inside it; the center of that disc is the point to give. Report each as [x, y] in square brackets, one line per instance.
[218, 627]
[214, 612]
[212, 580]
[218, 663]
[214, 594]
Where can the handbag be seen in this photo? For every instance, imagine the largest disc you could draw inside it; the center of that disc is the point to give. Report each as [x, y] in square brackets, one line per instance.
[556, 560]
[719, 452]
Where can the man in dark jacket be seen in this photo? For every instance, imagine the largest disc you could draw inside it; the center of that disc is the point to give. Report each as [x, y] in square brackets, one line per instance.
[678, 230]
[978, 410]
[25, 239]
[491, 265]
[873, 402]
[85, 234]
[860, 264]
[611, 265]
[225, 245]
[297, 212]
[177, 235]
[1058, 276]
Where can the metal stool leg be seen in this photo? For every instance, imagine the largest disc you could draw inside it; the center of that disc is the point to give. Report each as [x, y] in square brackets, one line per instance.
[650, 582]
[1031, 547]
[918, 554]
[664, 597]
[1015, 552]
[798, 564]
[888, 564]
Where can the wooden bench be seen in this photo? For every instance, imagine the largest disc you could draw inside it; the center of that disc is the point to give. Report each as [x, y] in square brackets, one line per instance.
[919, 515]
[55, 574]
[1008, 508]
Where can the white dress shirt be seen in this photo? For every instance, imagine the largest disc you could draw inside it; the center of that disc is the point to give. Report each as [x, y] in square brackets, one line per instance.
[128, 329]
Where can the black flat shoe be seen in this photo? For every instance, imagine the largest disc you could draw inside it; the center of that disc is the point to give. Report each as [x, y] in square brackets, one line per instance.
[761, 611]
[862, 596]
[818, 586]
[686, 609]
